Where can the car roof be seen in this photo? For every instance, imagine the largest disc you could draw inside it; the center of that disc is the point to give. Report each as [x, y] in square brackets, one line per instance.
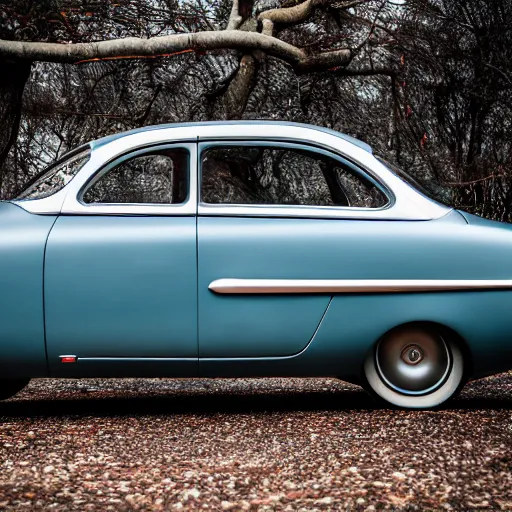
[109, 138]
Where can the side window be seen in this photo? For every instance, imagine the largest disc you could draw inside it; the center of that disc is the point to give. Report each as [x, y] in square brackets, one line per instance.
[56, 177]
[156, 177]
[283, 176]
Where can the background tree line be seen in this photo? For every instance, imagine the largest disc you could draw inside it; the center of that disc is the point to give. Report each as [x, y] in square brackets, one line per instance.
[426, 82]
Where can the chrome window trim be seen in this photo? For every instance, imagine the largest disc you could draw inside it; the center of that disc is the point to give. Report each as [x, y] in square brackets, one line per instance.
[409, 204]
[67, 202]
[288, 210]
[73, 204]
[231, 286]
[147, 150]
[84, 150]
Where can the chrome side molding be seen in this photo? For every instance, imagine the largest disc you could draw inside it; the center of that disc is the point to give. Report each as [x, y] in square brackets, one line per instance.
[332, 286]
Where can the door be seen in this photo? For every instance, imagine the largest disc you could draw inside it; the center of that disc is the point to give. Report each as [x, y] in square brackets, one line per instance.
[253, 225]
[120, 289]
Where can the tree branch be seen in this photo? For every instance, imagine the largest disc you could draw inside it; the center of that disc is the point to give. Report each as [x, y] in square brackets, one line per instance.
[240, 87]
[287, 15]
[473, 182]
[365, 71]
[301, 12]
[325, 61]
[235, 20]
[165, 45]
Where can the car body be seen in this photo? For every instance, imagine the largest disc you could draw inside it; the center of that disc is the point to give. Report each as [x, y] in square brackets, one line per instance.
[260, 248]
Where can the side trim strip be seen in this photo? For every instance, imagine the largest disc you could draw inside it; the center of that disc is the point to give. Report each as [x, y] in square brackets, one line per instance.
[137, 359]
[281, 286]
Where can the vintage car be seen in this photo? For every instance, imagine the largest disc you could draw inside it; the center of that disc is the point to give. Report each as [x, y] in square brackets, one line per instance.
[257, 249]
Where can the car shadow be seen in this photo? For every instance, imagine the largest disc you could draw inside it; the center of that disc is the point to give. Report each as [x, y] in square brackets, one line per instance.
[208, 403]
[189, 403]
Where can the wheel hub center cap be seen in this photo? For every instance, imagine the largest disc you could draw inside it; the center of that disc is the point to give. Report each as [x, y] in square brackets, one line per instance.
[412, 354]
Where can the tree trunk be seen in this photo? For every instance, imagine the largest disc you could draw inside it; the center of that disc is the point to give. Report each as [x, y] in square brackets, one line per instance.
[240, 88]
[13, 78]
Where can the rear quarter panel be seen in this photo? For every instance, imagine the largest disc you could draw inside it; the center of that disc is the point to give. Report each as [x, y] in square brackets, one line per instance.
[447, 248]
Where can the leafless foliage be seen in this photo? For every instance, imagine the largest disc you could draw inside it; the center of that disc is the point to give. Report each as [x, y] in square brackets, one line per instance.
[426, 82]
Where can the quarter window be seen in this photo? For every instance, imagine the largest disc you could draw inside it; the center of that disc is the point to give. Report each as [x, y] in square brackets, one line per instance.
[270, 175]
[57, 176]
[158, 177]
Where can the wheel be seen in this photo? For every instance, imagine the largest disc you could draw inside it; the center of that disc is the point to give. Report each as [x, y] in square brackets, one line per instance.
[9, 387]
[414, 367]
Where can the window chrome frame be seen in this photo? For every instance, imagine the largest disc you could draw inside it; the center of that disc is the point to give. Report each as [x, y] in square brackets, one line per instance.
[67, 201]
[409, 204]
[291, 145]
[74, 205]
[66, 157]
[119, 160]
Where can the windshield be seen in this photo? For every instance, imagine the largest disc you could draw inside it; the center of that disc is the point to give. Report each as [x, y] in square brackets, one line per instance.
[57, 176]
[429, 188]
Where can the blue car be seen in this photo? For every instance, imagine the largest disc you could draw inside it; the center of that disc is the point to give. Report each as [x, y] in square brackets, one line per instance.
[251, 249]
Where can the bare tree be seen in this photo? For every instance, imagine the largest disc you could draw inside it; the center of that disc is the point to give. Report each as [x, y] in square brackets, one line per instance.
[425, 82]
[453, 100]
[312, 36]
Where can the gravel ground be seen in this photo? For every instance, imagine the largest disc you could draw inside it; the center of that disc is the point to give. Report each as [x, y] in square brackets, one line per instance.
[250, 444]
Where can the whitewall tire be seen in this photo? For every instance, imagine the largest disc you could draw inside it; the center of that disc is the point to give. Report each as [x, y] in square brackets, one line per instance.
[414, 367]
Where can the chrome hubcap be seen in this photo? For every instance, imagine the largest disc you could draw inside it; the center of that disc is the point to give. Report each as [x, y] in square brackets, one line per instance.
[412, 354]
[413, 361]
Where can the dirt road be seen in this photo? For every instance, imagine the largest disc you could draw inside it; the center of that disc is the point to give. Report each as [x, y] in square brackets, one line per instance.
[248, 444]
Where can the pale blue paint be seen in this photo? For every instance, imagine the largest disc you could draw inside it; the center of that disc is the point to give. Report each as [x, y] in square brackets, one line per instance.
[125, 288]
[353, 324]
[249, 325]
[121, 287]
[22, 241]
[129, 294]
[448, 248]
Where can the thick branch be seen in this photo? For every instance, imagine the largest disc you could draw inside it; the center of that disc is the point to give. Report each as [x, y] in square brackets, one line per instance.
[134, 46]
[239, 89]
[240, 11]
[301, 12]
[267, 27]
[235, 20]
[165, 45]
[324, 61]
[287, 15]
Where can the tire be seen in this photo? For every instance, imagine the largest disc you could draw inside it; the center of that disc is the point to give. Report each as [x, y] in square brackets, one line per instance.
[414, 367]
[9, 387]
